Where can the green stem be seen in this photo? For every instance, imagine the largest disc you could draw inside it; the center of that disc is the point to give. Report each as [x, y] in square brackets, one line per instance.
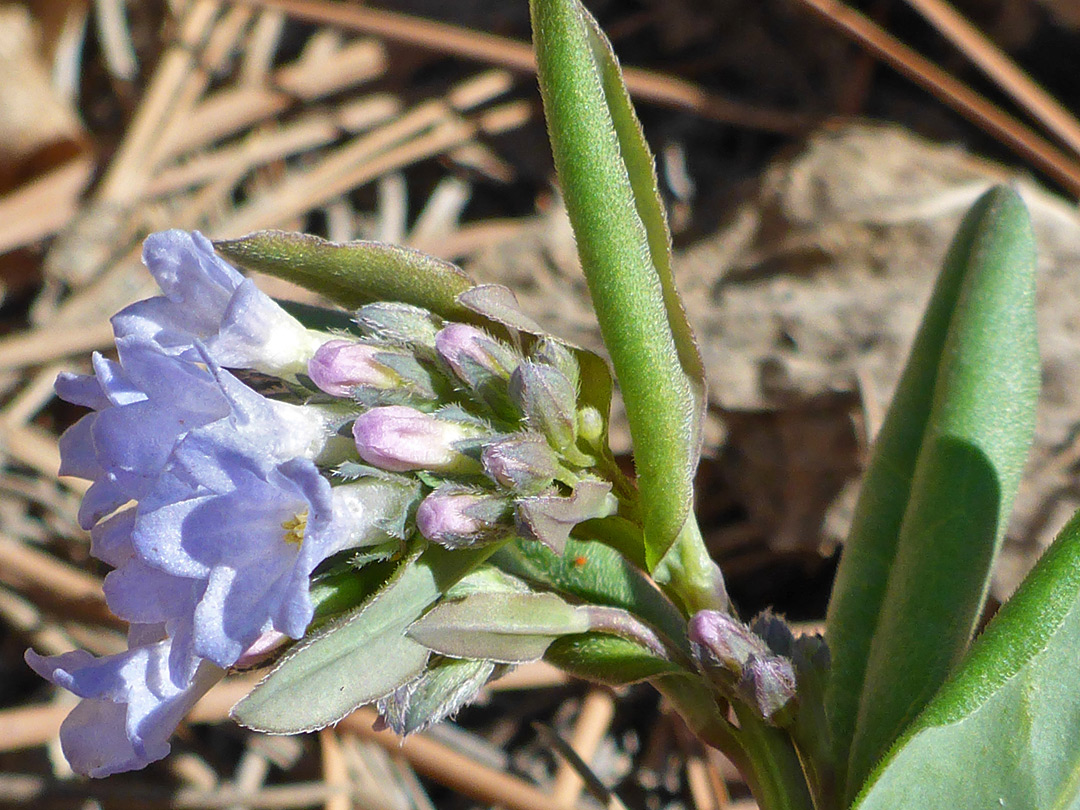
[697, 706]
[774, 771]
[689, 575]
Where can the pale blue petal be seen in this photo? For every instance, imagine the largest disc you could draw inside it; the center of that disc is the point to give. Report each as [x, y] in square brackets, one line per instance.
[110, 539]
[130, 707]
[138, 592]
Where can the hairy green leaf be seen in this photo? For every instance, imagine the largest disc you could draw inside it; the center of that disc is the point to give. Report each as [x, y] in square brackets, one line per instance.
[508, 627]
[929, 524]
[608, 181]
[595, 574]
[1004, 731]
[359, 658]
[353, 273]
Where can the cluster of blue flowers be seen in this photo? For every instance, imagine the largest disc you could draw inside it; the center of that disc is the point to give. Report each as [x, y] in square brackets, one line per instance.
[214, 504]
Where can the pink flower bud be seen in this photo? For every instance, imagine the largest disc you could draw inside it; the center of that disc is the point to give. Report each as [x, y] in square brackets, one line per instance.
[400, 439]
[458, 518]
[739, 662]
[472, 354]
[262, 648]
[721, 641]
[340, 366]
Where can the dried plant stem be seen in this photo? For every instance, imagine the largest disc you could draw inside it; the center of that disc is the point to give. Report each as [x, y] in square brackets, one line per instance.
[949, 90]
[455, 770]
[22, 789]
[230, 110]
[1003, 70]
[44, 205]
[127, 172]
[518, 56]
[310, 131]
[48, 343]
[27, 570]
[590, 728]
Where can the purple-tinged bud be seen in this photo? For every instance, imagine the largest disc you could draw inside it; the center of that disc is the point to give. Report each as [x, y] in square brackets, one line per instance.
[548, 400]
[402, 324]
[338, 367]
[401, 439]
[775, 632]
[768, 685]
[456, 518]
[473, 355]
[719, 641]
[739, 662]
[523, 464]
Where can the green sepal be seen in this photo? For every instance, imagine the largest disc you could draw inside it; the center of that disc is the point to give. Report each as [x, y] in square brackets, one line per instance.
[607, 659]
[444, 687]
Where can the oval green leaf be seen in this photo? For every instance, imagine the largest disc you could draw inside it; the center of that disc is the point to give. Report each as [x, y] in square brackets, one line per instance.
[608, 181]
[506, 627]
[1004, 731]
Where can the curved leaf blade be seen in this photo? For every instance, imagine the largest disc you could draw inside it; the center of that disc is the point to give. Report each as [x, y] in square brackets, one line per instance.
[641, 169]
[353, 273]
[1004, 731]
[596, 574]
[610, 198]
[511, 628]
[862, 577]
[359, 658]
[971, 457]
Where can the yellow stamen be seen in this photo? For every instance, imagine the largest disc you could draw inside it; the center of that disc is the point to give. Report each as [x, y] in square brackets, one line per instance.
[295, 527]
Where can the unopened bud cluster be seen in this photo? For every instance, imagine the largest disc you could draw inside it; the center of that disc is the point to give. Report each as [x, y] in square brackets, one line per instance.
[489, 429]
[744, 665]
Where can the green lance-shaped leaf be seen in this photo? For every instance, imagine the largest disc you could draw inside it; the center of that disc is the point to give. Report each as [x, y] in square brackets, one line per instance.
[511, 628]
[1004, 731]
[353, 273]
[870, 549]
[359, 658]
[609, 183]
[922, 592]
